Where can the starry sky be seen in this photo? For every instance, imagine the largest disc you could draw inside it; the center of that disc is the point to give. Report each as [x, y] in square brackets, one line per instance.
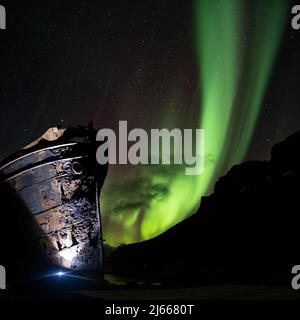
[147, 62]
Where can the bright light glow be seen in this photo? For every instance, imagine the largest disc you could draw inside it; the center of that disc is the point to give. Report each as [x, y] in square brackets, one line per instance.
[68, 256]
[60, 274]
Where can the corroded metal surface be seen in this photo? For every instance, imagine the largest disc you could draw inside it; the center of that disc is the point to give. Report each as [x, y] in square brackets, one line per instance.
[52, 195]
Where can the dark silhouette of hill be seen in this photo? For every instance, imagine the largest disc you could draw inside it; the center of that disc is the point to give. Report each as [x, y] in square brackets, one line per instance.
[248, 230]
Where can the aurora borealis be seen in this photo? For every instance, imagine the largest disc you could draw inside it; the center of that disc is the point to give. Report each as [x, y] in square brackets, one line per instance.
[223, 65]
[226, 113]
[233, 84]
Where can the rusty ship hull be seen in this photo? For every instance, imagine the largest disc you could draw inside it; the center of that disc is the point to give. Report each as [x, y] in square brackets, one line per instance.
[51, 198]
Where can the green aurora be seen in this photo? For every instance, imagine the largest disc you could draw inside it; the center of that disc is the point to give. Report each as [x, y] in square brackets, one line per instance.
[232, 85]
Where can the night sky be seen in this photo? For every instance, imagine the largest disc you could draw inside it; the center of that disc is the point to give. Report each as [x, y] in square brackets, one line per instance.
[69, 62]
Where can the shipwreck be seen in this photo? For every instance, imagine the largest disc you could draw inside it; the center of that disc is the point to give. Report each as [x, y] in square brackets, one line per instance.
[51, 218]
